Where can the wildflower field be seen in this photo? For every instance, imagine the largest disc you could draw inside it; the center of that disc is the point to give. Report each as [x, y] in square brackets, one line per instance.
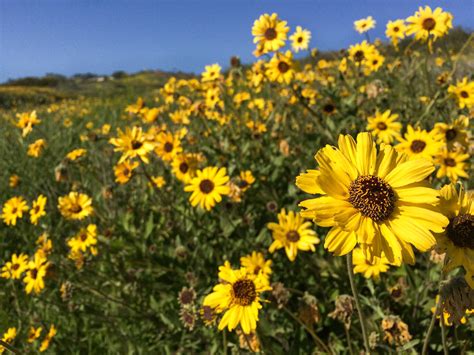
[312, 205]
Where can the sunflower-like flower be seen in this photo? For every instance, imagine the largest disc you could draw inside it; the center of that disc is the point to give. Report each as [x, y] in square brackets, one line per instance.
[364, 24]
[184, 166]
[426, 22]
[455, 135]
[452, 164]
[13, 209]
[280, 67]
[269, 33]
[246, 179]
[75, 206]
[16, 267]
[292, 232]
[377, 199]
[359, 52]
[124, 171]
[384, 126]
[458, 239]
[300, 39]
[168, 145]
[85, 239]
[26, 121]
[418, 143]
[132, 143]
[35, 274]
[37, 209]
[369, 268]
[238, 295]
[211, 73]
[35, 148]
[208, 187]
[464, 93]
[76, 154]
[395, 31]
[255, 263]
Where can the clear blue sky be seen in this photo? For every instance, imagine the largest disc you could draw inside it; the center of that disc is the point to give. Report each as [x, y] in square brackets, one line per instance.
[101, 36]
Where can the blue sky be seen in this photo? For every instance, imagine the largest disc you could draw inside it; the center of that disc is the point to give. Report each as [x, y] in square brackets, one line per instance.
[102, 36]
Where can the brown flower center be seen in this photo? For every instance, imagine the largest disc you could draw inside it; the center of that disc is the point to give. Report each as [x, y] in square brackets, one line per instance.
[451, 134]
[464, 94]
[373, 197]
[206, 186]
[270, 34]
[243, 184]
[168, 147]
[292, 236]
[417, 146]
[461, 230]
[449, 162]
[136, 145]
[329, 108]
[429, 24]
[382, 126]
[283, 67]
[33, 273]
[396, 29]
[184, 167]
[359, 56]
[15, 266]
[76, 208]
[244, 292]
[300, 39]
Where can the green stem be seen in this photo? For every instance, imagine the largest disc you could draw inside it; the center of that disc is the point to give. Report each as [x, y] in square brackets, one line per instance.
[443, 336]
[424, 351]
[350, 272]
[224, 341]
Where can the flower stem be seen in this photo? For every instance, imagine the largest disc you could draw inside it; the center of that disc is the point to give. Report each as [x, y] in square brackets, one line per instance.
[350, 272]
[443, 336]
[430, 329]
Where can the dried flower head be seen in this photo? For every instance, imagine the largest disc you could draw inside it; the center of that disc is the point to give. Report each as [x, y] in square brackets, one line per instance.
[395, 331]
[344, 307]
[281, 294]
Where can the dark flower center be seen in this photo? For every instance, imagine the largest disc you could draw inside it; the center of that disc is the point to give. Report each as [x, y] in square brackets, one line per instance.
[449, 162]
[15, 266]
[168, 147]
[76, 208]
[451, 134]
[382, 126]
[396, 29]
[461, 230]
[464, 94]
[429, 24]
[186, 297]
[84, 236]
[292, 236]
[283, 67]
[33, 273]
[184, 167]
[244, 292]
[243, 184]
[136, 145]
[206, 186]
[300, 39]
[373, 197]
[359, 56]
[417, 146]
[329, 108]
[270, 34]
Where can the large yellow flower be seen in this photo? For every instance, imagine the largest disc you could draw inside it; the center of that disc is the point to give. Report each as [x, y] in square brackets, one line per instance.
[132, 143]
[238, 295]
[208, 187]
[375, 199]
[300, 39]
[464, 92]
[269, 33]
[292, 232]
[384, 126]
[75, 206]
[418, 143]
[13, 209]
[458, 239]
[280, 68]
[364, 24]
[426, 22]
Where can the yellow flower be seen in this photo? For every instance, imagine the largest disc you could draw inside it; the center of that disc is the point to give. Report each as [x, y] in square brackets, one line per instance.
[132, 143]
[35, 148]
[136, 107]
[85, 239]
[384, 127]
[123, 172]
[464, 93]
[300, 39]
[37, 210]
[395, 31]
[359, 52]
[14, 269]
[369, 268]
[208, 187]
[255, 263]
[158, 181]
[168, 145]
[269, 33]
[14, 180]
[47, 340]
[184, 166]
[13, 209]
[454, 135]
[246, 180]
[375, 199]
[26, 121]
[35, 274]
[452, 164]
[373, 62]
[238, 295]
[426, 23]
[458, 241]
[76, 154]
[292, 232]
[280, 67]
[34, 333]
[8, 337]
[75, 206]
[365, 24]
[211, 73]
[419, 143]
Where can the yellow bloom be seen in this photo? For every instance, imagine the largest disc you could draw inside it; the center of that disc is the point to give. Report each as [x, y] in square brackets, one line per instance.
[246, 180]
[13, 209]
[208, 187]
[14, 180]
[47, 340]
[458, 241]
[300, 39]
[8, 337]
[238, 295]
[280, 68]
[75, 206]
[373, 62]
[124, 171]
[375, 199]
[365, 24]
[269, 33]
[384, 127]
[359, 52]
[426, 23]
[292, 232]
[255, 263]
[158, 181]
[211, 73]
[369, 268]
[35, 148]
[419, 143]
[168, 145]
[14, 269]
[395, 31]
[85, 239]
[452, 164]
[455, 135]
[136, 107]
[34, 333]
[132, 143]
[76, 154]
[26, 121]
[464, 93]
[184, 166]
[35, 274]
[37, 210]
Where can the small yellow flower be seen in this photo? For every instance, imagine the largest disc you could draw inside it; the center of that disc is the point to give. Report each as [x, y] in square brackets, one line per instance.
[365, 24]
[13, 209]
[37, 209]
